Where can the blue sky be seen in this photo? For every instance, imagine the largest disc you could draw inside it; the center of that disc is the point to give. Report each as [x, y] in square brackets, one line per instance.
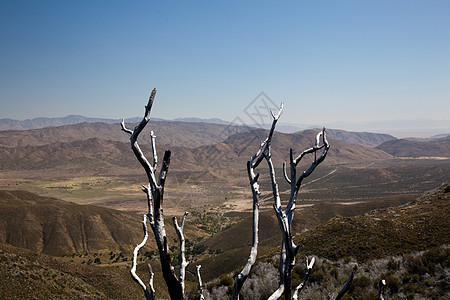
[328, 60]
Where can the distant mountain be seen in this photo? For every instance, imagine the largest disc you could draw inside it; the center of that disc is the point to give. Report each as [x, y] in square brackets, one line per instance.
[439, 136]
[169, 133]
[36, 123]
[97, 156]
[400, 128]
[200, 120]
[368, 139]
[408, 148]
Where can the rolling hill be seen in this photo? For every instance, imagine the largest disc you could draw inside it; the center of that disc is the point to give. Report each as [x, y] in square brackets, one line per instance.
[415, 226]
[184, 134]
[98, 156]
[173, 133]
[408, 148]
[367, 139]
[51, 226]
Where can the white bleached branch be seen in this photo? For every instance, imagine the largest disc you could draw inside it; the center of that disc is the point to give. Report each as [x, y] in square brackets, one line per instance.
[148, 294]
[299, 288]
[381, 287]
[285, 216]
[200, 284]
[155, 197]
[263, 151]
[155, 156]
[182, 256]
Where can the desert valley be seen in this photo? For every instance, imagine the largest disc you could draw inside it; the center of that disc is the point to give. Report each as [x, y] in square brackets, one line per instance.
[71, 208]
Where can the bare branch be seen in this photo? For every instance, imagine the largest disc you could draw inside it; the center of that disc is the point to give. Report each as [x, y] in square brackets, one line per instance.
[182, 256]
[134, 134]
[285, 174]
[155, 197]
[277, 116]
[155, 156]
[299, 288]
[200, 284]
[137, 130]
[255, 160]
[122, 124]
[134, 265]
[316, 161]
[278, 293]
[282, 268]
[164, 170]
[150, 214]
[294, 162]
[381, 287]
[242, 276]
[345, 288]
[150, 283]
[285, 217]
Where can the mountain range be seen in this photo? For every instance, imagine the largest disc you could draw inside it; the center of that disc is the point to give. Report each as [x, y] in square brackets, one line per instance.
[100, 155]
[421, 128]
[356, 162]
[101, 148]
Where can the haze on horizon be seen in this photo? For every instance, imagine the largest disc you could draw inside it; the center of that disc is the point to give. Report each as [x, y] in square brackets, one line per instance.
[331, 62]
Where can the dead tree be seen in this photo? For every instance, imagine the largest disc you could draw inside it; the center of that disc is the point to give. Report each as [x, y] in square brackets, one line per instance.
[285, 216]
[253, 178]
[155, 196]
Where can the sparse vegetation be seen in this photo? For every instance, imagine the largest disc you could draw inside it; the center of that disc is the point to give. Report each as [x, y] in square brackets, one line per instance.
[354, 218]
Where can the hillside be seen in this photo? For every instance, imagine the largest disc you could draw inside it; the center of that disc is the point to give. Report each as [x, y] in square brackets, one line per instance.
[92, 156]
[414, 226]
[367, 139]
[189, 132]
[409, 148]
[51, 226]
[98, 156]
[246, 144]
[27, 275]
[394, 228]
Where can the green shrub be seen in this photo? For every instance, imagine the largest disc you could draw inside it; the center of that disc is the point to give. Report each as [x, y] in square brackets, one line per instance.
[393, 283]
[317, 276]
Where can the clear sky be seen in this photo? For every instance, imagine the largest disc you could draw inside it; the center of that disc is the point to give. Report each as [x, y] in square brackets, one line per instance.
[328, 60]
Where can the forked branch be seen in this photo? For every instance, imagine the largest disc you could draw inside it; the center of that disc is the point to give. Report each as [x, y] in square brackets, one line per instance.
[285, 216]
[155, 197]
[299, 288]
[149, 294]
[263, 150]
[182, 255]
